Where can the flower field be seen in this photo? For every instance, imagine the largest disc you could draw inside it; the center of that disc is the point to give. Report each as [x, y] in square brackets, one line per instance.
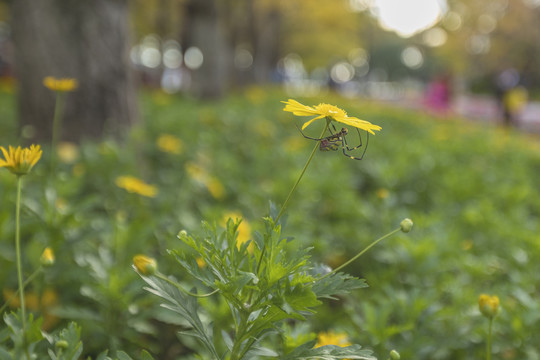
[470, 189]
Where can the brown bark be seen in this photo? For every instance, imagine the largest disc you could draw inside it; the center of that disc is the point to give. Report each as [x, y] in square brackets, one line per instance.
[86, 40]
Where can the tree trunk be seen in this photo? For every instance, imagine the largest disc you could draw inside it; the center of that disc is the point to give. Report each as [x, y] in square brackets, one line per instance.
[203, 29]
[86, 40]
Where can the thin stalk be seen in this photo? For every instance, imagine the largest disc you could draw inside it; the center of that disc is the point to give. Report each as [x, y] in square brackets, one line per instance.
[18, 251]
[361, 252]
[58, 107]
[163, 277]
[276, 220]
[488, 344]
[26, 282]
[301, 175]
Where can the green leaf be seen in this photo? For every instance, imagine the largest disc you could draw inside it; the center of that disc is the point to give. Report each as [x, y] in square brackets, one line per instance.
[337, 284]
[123, 356]
[4, 355]
[184, 305]
[145, 355]
[328, 352]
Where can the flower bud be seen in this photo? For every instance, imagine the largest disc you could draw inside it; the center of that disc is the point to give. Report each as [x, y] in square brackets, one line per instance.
[488, 305]
[145, 265]
[406, 225]
[394, 355]
[182, 234]
[61, 344]
[47, 257]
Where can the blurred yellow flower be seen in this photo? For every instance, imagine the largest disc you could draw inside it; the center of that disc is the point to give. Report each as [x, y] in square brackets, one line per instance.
[332, 338]
[195, 171]
[44, 304]
[67, 152]
[20, 160]
[330, 112]
[488, 305]
[60, 85]
[382, 193]
[255, 94]
[137, 186]
[244, 229]
[170, 144]
[47, 257]
[215, 187]
[145, 265]
[200, 262]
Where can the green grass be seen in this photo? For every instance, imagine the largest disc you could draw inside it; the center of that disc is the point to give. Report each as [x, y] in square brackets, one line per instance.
[470, 189]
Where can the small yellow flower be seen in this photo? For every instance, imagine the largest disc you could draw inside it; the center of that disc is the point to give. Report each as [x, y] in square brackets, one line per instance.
[47, 257]
[20, 160]
[170, 144]
[488, 305]
[200, 262]
[67, 152]
[60, 85]
[137, 186]
[145, 265]
[330, 112]
[332, 338]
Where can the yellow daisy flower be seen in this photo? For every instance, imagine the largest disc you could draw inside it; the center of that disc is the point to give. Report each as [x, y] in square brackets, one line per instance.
[137, 186]
[170, 144]
[332, 338]
[60, 85]
[330, 112]
[20, 160]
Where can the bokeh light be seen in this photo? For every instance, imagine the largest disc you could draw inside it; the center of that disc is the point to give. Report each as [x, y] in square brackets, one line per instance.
[412, 57]
[193, 58]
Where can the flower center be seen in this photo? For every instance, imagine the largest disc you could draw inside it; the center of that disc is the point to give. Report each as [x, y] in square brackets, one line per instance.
[330, 110]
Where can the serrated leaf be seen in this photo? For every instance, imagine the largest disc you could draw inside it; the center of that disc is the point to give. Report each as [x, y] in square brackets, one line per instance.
[337, 284]
[184, 305]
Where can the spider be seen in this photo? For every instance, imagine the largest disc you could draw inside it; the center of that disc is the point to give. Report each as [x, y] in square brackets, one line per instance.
[337, 138]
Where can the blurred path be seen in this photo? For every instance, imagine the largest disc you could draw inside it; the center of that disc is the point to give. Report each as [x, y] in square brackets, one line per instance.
[485, 108]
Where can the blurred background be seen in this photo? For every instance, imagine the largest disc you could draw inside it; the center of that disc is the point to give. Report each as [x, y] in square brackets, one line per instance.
[458, 56]
[185, 95]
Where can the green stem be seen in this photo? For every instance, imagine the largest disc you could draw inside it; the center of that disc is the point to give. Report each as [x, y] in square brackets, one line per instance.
[301, 175]
[239, 337]
[488, 344]
[361, 252]
[58, 107]
[163, 277]
[26, 282]
[18, 251]
[276, 220]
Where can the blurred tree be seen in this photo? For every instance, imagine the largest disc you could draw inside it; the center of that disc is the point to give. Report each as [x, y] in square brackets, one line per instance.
[86, 40]
[322, 31]
[204, 29]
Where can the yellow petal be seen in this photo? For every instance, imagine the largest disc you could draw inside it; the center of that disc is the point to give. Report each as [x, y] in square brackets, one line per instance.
[306, 124]
[299, 109]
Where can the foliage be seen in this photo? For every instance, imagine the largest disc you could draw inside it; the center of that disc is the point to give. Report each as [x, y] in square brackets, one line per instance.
[470, 187]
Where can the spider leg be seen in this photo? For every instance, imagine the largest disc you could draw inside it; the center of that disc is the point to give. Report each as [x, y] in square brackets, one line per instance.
[344, 146]
[356, 147]
[307, 137]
